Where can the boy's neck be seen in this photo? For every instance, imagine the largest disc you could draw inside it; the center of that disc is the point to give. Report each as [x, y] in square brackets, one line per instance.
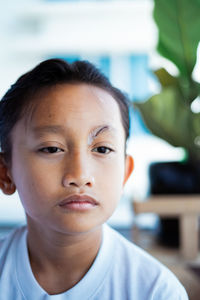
[59, 262]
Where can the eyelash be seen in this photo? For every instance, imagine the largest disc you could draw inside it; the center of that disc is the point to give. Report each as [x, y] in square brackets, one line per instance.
[49, 150]
[52, 150]
[103, 147]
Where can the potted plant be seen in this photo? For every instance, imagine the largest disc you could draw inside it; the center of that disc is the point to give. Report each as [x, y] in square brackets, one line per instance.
[169, 114]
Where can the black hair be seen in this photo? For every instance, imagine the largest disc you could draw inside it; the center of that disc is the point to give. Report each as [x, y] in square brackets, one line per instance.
[48, 73]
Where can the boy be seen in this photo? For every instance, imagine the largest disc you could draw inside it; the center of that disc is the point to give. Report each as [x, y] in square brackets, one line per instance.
[63, 140]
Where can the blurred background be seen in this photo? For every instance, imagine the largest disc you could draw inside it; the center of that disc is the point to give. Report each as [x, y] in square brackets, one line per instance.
[120, 38]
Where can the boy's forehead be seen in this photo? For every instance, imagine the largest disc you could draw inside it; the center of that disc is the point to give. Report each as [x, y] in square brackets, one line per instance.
[76, 94]
[68, 101]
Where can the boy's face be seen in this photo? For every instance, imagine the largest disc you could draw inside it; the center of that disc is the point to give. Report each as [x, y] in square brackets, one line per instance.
[72, 144]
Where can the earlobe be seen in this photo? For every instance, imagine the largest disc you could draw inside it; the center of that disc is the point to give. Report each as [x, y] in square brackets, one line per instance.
[129, 166]
[6, 184]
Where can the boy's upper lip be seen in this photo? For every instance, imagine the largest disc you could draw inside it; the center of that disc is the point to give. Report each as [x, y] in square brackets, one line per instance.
[78, 198]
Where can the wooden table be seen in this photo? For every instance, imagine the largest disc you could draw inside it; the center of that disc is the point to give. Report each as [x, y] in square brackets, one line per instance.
[186, 208]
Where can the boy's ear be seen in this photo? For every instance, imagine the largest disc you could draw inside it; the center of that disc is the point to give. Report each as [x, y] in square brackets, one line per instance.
[6, 184]
[129, 166]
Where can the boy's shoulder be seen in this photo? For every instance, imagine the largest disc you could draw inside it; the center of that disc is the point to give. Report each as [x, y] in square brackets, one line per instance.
[10, 240]
[141, 271]
[135, 258]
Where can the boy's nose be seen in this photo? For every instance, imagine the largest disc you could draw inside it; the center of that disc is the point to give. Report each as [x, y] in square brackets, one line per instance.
[78, 174]
[81, 181]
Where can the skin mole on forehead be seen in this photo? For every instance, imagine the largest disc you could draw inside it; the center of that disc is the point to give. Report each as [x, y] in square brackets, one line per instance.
[50, 115]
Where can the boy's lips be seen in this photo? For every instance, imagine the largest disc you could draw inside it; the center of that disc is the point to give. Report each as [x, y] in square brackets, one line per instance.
[78, 202]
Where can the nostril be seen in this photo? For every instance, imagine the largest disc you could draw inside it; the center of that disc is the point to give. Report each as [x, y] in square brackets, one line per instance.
[73, 184]
[78, 182]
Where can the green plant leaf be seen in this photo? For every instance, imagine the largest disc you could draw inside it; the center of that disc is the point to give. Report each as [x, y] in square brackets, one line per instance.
[165, 78]
[168, 118]
[178, 23]
[189, 92]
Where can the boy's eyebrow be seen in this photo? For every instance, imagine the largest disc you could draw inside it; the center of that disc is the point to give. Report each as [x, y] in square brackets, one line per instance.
[100, 129]
[39, 130]
[48, 129]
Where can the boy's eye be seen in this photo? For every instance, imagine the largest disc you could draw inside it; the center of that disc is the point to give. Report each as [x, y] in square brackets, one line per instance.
[51, 150]
[102, 150]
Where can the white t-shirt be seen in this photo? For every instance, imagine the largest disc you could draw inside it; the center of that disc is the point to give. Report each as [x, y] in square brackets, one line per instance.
[121, 271]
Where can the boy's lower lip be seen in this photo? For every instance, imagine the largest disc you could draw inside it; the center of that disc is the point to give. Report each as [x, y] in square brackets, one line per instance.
[78, 202]
[78, 205]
